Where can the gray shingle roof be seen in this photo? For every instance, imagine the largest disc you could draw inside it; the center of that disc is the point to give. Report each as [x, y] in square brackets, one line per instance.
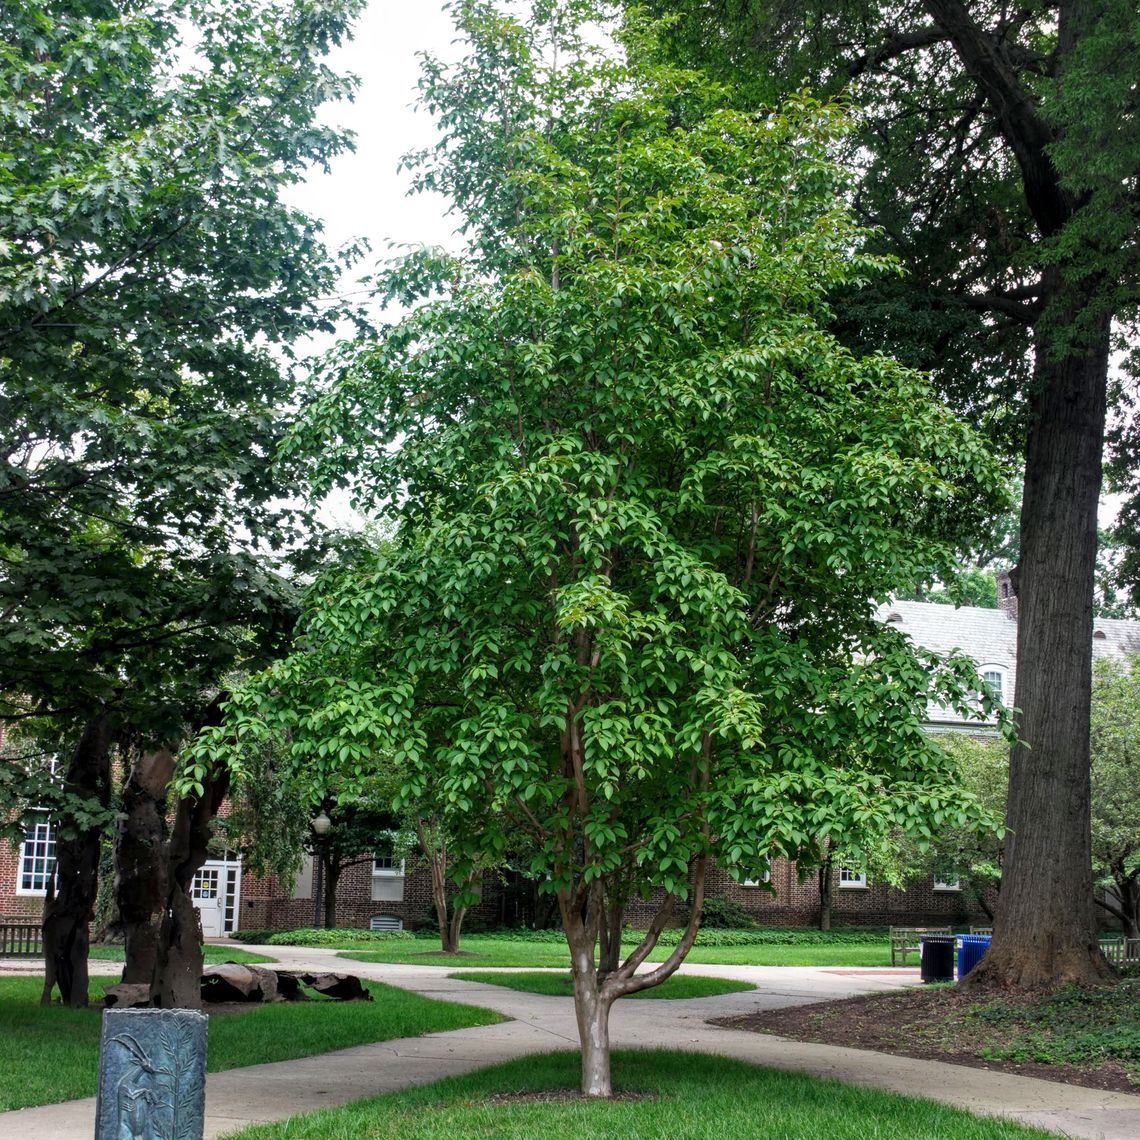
[989, 637]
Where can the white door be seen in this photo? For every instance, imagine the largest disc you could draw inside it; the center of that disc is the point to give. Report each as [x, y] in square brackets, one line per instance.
[206, 891]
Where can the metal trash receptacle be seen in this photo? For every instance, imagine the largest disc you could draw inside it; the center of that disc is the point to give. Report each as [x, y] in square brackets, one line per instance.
[971, 947]
[936, 957]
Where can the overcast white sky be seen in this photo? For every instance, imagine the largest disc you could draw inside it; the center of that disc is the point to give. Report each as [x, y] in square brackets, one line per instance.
[363, 195]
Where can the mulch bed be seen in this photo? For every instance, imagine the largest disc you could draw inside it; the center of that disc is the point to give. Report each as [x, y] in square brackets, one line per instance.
[930, 1024]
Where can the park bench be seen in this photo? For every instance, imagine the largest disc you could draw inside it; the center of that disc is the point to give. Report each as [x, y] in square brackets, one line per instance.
[20, 937]
[906, 940]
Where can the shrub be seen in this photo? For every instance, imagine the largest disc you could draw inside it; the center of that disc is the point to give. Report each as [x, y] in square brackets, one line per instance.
[721, 913]
[257, 937]
[336, 937]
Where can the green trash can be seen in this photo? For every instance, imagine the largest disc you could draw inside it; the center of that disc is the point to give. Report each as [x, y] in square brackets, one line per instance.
[936, 957]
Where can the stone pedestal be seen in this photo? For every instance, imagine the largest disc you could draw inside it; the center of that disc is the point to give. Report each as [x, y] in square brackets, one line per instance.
[152, 1075]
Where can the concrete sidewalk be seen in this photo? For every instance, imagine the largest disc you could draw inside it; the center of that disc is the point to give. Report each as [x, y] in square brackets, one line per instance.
[541, 1024]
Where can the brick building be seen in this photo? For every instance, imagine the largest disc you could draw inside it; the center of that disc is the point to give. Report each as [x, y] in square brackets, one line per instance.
[386, 892]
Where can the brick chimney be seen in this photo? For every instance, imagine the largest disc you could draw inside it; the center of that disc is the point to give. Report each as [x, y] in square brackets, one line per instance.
[1007, 591]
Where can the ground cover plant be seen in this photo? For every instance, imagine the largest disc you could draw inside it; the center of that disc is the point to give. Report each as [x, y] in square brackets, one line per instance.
[49, 1054]
[657, 1094]
[1080, 1036]
[679, 986]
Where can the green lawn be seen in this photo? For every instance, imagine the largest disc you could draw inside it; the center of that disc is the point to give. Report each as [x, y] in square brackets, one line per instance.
[684, 1096]
[560, 985]
[52, 1054]
[209, 953]
[489, 953]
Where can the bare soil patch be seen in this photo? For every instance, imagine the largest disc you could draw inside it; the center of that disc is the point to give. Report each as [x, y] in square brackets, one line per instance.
[561, 1096]
[944, 1024]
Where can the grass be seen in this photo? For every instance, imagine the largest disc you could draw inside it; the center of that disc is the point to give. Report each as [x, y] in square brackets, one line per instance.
[489, 952]
[209, 953]
[49, 1054]
[560, 985]
[679, 1096]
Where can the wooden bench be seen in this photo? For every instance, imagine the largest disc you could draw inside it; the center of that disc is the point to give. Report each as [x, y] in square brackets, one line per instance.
[20, 937]
[1121, 951]
[905, 940]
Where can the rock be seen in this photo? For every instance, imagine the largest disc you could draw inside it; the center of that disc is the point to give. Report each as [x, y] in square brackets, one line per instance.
[233, 982]
[343, 987]
[127, 995]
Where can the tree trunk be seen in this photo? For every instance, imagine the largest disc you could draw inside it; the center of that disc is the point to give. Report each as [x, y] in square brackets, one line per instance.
[332, 881]
[142, 867]
[177, 982]
[592, 1003]
[70, 907]
[825, 881]
[1044, 929]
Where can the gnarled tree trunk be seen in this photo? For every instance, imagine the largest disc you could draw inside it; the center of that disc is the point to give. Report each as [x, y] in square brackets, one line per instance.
[70, 906]
[142, 866]
[178, 970]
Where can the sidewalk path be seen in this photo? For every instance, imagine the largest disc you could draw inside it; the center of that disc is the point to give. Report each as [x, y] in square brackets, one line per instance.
[541, 1024]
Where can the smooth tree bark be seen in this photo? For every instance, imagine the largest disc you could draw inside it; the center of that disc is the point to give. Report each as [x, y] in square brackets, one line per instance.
[70, 904]
[824, 878]
[584, 914]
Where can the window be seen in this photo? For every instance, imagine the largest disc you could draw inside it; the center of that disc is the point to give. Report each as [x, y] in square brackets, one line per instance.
[947, 881]
[995, 678]
[37, 859]
[852, 876]
[385, 863]
[765, 878]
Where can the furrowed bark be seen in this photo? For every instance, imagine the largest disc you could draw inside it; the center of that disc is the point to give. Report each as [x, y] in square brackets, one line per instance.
[1044, 925]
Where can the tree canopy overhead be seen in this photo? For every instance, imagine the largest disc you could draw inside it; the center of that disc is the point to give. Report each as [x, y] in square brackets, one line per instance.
[152, 281]
[999, 153]
[644, 503]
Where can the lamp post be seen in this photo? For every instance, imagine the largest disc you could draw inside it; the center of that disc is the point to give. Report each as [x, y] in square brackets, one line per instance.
[320, 826]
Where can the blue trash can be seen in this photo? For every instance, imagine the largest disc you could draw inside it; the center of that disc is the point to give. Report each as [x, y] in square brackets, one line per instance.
[971, 947]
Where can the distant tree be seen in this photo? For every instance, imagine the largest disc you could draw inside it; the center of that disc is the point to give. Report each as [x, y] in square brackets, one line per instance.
[644, 502]
[1116, 790]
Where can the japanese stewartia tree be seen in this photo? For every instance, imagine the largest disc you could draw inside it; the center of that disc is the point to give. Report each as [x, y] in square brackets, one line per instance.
[153, 283]
[642, 502]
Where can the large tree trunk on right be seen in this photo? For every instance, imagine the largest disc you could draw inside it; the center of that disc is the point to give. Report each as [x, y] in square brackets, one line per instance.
[1044, 927]
[71, 906]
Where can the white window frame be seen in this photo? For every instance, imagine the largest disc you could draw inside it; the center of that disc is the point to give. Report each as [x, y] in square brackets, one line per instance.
[852, 878]
[393, 872]
[947, 884]
[989, 672]
[36, 862]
